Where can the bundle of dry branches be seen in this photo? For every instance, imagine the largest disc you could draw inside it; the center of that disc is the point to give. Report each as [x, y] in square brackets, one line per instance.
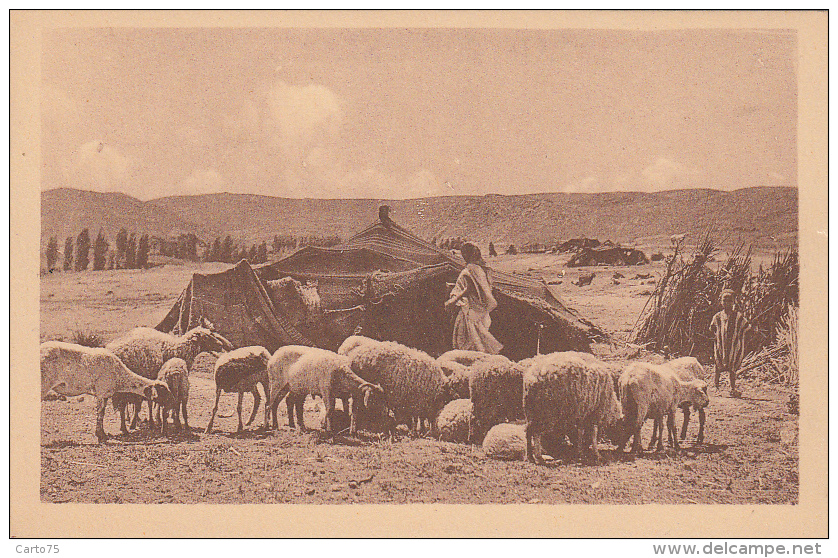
[677, 315]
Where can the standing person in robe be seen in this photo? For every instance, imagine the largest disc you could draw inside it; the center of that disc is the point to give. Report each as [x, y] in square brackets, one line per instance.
[473, 294]
[729, 328]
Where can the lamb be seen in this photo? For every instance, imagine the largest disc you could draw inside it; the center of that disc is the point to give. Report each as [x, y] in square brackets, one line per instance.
[565, 391]
[278, 367]
[175, 374]
[687, 369]
[655, 391]
[70, 369]
[495, 389]
[144, 351]
[329, 375]
[239, 371]
[412, 380]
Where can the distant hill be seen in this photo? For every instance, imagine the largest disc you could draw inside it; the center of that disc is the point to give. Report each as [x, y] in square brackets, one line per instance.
[751, 214]
[65, 212]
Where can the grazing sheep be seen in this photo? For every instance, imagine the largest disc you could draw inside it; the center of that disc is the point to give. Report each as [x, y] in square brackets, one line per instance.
[687, 369]
[454, 421]
[412, 380]
[506, 441]
[175, 374]
[70, 369]
[353, 342]
[567, 392]
[495, 388]
[237, 372]
[466, 358]
[144, 351]
[278, 366]
[329, 375]
[655, 391]
[456, 380]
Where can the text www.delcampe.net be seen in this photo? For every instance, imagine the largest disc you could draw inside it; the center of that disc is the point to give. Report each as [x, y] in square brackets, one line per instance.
[736, 548]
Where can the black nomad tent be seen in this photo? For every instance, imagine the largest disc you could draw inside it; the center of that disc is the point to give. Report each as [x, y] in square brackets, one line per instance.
[384, 282]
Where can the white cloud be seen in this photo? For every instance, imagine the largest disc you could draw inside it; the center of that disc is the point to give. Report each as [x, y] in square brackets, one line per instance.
[665, 174]
[98, 166]
[202, 181]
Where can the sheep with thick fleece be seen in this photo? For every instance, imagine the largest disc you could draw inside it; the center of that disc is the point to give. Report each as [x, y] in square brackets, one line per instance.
[70, 369]
[655, 391]
[564, 392]
[175, 374]
[353, 342]
[278, 367]
[456, 379]
[329, 375]
[454, 421]
[144, 350]
[495, 389]
[412, 380]
[239, 371]
[466, 358]
[687, 369]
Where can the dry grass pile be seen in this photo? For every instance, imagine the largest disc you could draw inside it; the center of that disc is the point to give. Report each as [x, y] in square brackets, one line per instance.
[678, 314]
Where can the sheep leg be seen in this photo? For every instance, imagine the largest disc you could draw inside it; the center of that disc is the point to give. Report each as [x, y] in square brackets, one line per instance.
[239, 411]
[185, 417]
[150, 414]
[673, 431]
[655, 427]
[136, 417]
[256, 400]
[701, 417]
[298, 404]
[686, 422]
[353, 415]
[592, 431]
[122, 426]
[289, 403]
[214, 410]
[101, 404]
[329, 403]
[635, 444]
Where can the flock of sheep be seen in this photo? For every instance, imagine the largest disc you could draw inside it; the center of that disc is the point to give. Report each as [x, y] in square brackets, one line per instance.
[461, 396]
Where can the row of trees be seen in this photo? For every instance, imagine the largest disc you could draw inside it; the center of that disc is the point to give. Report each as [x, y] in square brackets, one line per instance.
[130, 252]
[289, 242]
[229, 252]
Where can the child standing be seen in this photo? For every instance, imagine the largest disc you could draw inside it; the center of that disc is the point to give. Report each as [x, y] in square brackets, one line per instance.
[730, 328]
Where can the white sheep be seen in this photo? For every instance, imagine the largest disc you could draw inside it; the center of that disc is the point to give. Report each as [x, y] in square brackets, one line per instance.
[70, 369]
[175, 374]
[353, 342]
[496, 389]
[456, 379]
[412, 381]
[466, 358]
[278, 367]
[144, 350]
[686, 369]
[329, 375]
[567, 392]
[655, 391]
[239, 371]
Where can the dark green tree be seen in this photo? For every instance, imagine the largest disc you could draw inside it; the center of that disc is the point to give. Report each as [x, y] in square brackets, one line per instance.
[131, 252]
[121, 246]
[226, 254]
[142, 252]
[100, 252]
[83, 250]
[52, 253]
[262, 253]
[68, 254]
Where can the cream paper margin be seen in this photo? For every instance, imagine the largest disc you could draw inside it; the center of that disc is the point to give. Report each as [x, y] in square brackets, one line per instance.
[29, 517]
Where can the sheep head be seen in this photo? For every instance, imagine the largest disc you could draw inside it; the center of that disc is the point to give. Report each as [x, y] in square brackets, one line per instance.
[696, 393]
[158, 392]
[368, 389]
[208, 340]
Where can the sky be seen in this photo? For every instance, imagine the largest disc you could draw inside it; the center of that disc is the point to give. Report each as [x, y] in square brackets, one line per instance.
[407, 113]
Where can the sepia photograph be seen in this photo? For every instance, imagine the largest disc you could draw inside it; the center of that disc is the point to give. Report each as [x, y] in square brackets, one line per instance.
[375, 260]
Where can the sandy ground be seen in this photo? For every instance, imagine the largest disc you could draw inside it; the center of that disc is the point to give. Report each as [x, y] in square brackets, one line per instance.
[750, 454]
